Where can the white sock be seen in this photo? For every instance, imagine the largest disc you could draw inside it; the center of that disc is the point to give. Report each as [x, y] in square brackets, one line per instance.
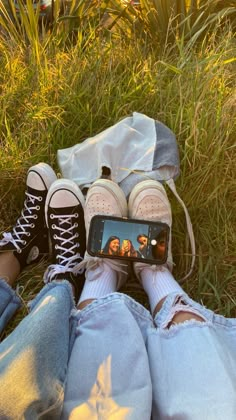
[103, 285]
[158, 284]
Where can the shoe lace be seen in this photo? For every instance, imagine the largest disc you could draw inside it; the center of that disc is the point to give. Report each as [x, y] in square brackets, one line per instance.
[23, 223]
[66, 246]
[95, 266]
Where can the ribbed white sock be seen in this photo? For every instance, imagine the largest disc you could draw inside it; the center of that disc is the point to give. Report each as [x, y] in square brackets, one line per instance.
[158, 284]
[102, 286]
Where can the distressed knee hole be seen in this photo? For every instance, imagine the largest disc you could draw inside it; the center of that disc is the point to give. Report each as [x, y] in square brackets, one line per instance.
[180, 312]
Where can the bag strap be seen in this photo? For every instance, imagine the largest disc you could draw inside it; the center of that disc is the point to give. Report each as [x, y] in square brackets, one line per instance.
[171, 185]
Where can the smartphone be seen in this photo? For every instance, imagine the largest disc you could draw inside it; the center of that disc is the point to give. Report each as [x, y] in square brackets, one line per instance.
[129, 239]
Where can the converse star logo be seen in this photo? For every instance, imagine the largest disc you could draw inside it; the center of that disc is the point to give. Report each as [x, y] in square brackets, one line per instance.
[33, 255]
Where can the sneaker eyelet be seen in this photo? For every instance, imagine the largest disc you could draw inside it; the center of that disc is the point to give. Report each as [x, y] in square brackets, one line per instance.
[27, 233]
[32, 225]
[37, 207]
[35, 216]
[76, 215]
[56, 246]
[53, 226]
[40, 198]
[76, 235]
[51, 216]
[24, 242]
[19, 251]
[76, 225]
[55, 236]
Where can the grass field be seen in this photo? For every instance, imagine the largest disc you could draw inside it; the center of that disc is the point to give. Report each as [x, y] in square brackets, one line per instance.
[57, 91]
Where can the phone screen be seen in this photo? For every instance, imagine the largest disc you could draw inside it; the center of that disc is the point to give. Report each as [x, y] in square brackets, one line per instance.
[137, 240]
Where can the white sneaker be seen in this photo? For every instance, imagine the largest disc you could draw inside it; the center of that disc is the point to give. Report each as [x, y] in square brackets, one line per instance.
[148, 201]
[104, 197]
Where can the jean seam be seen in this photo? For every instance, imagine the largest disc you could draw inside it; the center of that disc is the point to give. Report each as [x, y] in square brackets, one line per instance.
[14, 298]
[101, 302]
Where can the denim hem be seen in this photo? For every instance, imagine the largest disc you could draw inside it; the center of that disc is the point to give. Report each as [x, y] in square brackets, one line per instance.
[130, 302]
[49, 286]
[12, 293]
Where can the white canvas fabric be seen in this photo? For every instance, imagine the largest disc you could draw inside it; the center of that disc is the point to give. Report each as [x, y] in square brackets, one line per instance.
[135, 148]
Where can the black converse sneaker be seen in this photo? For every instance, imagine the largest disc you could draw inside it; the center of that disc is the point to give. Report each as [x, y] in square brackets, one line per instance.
[65, 219]
[29, 237]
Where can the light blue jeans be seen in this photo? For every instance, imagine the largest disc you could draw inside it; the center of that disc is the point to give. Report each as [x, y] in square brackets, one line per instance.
[122, 363]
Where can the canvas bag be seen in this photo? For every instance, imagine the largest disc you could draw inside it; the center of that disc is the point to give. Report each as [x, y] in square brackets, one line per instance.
[134, 149]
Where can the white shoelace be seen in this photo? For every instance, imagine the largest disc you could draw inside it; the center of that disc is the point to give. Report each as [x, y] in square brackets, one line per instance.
[95, 266]
[23, 223]
[67, 245]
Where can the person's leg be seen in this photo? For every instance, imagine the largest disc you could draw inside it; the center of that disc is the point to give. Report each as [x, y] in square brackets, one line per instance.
[28, 240]
[192, 351]
[34, 358]
[108, 372]
[192, 362]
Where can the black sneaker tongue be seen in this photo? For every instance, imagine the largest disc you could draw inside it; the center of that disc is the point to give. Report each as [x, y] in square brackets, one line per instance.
[36, 193]
[66, 224]
[67, 235]
[29, 204]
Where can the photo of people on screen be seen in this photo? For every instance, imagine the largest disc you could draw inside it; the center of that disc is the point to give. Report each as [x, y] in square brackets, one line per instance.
[159, 244]
[132, 240]
[112, 246]
[142, 239]
[127, 249]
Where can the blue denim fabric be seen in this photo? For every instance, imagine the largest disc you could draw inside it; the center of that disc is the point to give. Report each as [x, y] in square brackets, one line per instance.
[34, 358]
[193, 365]
[108, 373]
[9, 303]
[123, 364]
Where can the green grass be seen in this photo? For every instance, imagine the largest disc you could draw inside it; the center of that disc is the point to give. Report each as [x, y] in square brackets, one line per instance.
[55, 93]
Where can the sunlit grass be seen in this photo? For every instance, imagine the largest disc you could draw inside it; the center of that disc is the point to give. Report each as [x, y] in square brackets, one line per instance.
[56, 92]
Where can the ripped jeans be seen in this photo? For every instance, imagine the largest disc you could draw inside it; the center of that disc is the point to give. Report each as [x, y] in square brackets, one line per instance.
[123, 364]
